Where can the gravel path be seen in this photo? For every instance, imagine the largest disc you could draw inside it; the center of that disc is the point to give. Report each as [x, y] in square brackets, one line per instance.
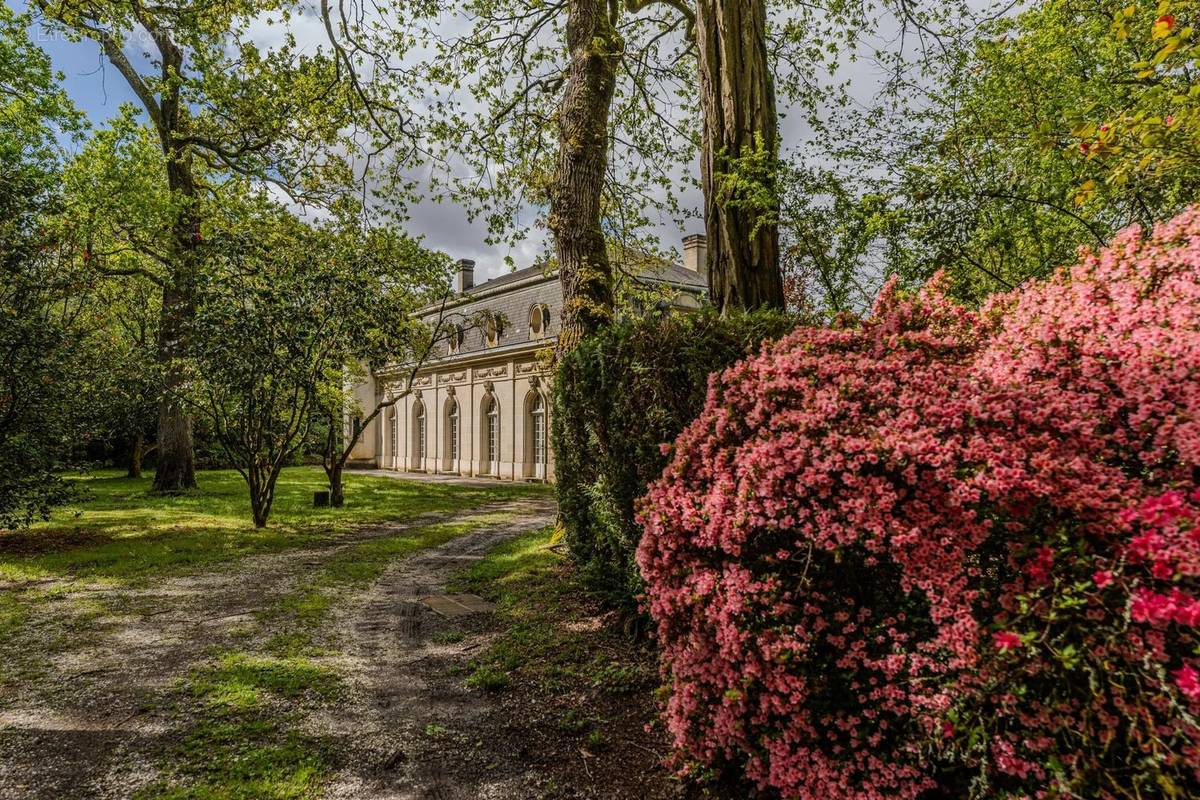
[85, 722]
[395, 648]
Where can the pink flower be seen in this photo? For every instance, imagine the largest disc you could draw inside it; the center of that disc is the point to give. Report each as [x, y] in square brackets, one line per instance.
[1188, 681]
[1102, 578]
[1006, 640]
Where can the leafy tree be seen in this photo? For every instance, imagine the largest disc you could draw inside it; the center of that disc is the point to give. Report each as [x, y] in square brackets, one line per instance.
[587, 114]
[389, 279]
[990, 163]
[46, 311]
[836, 236]
[1149, 135]
[220, 106]
[126, 400]
[117, 210]
[291, 310]
[533, 98]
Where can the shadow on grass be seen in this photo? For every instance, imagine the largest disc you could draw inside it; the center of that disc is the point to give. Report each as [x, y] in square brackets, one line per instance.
[122, 531]
[244, 741]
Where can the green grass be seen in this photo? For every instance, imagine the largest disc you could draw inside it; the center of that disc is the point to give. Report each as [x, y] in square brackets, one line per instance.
[244, 741]
[240, 681]
[535, 598]
[122, 532]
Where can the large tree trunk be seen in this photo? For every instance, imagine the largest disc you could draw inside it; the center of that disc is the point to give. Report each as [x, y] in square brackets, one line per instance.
[584, 270]
[176, 469]
[737, 103]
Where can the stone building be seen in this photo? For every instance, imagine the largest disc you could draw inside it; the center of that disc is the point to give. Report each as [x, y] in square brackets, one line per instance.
[481, 406]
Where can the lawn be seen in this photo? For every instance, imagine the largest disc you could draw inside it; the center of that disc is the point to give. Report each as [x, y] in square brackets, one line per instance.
[237, 669]
[120, 531]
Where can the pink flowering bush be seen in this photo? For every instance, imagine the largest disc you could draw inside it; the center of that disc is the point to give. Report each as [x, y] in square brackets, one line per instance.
[1098, 697]
[912, 557]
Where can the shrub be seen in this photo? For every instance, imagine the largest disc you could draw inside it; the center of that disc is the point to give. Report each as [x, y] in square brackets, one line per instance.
[1089, 687]
[619, 396]
[871, 559]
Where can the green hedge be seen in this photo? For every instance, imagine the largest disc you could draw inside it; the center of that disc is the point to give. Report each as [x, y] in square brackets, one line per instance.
[618, 396]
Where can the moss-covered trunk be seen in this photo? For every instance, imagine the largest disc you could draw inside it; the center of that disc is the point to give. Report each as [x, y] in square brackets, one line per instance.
[176, 469]
[575, 195]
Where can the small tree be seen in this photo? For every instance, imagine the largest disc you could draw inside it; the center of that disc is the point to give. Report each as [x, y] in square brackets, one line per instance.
[291, 306]
[419, 343]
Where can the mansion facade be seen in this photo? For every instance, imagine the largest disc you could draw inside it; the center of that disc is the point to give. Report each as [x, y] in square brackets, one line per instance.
[481, 405]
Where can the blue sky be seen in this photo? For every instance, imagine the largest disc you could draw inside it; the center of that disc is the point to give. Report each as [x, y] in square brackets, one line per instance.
[92, 84]
[98, 90]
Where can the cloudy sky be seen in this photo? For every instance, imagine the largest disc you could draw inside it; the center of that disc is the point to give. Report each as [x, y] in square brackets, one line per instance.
[99, 91]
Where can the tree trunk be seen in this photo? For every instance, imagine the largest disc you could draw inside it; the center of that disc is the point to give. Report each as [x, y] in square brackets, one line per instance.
[137, 452]
[176, 469]
[262, 492]
[337, 491]
[334, 462]
[737, 103]
[575, 196]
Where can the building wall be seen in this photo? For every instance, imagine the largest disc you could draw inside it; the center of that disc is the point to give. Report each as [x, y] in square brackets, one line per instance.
[506, 369]
[513, 383]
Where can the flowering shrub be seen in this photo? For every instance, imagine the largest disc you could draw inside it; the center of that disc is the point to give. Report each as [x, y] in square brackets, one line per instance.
[1097, 696]
[896, 559]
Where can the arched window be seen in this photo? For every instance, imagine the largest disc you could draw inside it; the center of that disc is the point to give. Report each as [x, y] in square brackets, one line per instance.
[419, 435]
[490, 434]
[536, 438]
[394, 454]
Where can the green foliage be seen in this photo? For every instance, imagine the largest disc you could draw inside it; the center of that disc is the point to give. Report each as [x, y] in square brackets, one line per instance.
[1152, 135]
[32, 106]
[48, 315]
[284, 310]
[749, 181]
[487, 678]
[619, 396]
[835, 237]
[231, 93]
[1023, 136]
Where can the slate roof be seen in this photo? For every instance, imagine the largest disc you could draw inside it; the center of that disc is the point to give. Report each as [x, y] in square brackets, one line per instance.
[514, 295]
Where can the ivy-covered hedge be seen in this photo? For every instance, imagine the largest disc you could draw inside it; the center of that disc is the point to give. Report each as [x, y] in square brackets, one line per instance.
[619, 397]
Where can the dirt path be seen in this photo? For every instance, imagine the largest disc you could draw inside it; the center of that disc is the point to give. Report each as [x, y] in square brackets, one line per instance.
[86, 721]
[413, 730]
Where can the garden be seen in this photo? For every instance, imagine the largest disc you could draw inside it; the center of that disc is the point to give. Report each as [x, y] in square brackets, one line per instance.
[885, 487]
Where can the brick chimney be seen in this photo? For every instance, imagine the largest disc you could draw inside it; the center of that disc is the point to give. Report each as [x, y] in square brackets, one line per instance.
[466, 274]
[695, 254]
